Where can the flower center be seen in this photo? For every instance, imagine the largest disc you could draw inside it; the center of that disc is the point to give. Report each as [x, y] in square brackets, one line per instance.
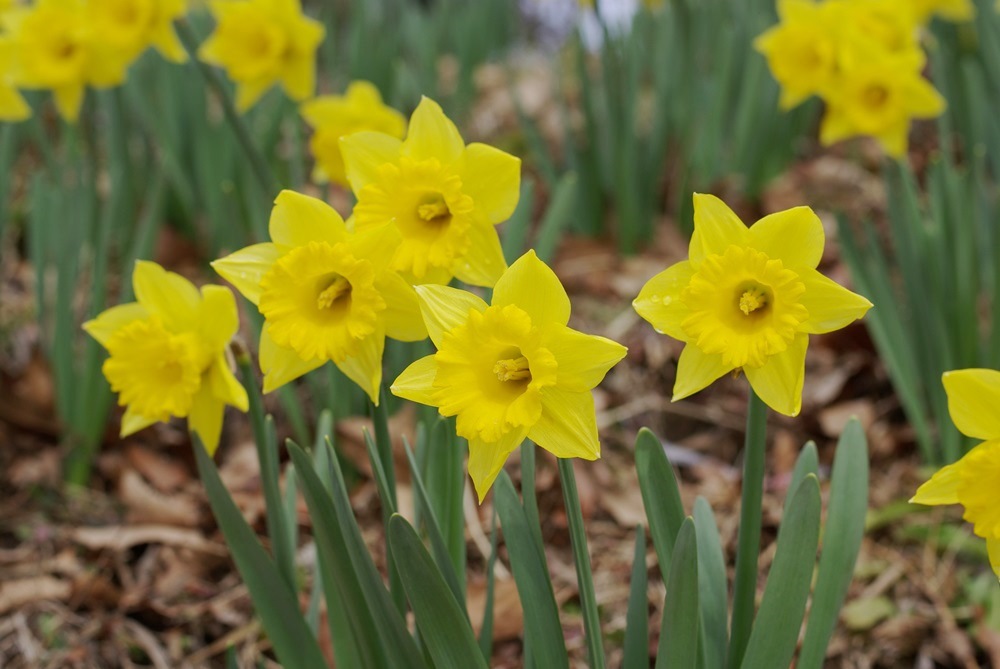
[434, 210]
[336, 293]
[875, 96]
[513, 369]
[743, 306]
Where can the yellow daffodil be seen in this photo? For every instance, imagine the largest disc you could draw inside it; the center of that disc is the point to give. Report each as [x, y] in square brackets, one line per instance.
[950, 10]
[130, 26]
[325, 294]
[748, 298]
[444, 197]
[261, 43]
[889, 25]
[336, 116]
[802, 50]
[878, 97]
[510, 370]
[973, 481]
[56, 48]
[12, 106]
[167, 353]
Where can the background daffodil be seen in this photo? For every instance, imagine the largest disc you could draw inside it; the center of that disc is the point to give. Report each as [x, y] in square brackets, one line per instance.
[335, 116]
[973, 481]
[444, 197]
[510, 370]
[261, 43]
[748, 298]
[325, 294]
[167, 353]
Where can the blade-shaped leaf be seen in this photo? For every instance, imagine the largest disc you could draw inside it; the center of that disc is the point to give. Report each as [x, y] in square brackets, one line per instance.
[660, 495]
[807, 463]
[443, 624]
[678, 645]
[712, 584]
[637, 616]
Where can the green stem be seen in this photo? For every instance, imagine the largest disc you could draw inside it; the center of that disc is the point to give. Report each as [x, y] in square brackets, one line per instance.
[265, 439]
[262, 171]
[383, 445]
[528, 497]
[584, 577]
[748, 547]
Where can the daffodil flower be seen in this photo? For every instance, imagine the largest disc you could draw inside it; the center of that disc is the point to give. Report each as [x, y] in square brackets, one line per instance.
[261, 43]
[336, 116]
[444, 197]
[325, 294]
[167, 353]
[878, 96]
[510, 370]
[55, 48]
[748, 299]
[974, 404]
[131, 26]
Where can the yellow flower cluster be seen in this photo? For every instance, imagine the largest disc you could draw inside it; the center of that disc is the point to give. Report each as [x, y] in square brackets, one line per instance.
[863, 58]
[67, 45]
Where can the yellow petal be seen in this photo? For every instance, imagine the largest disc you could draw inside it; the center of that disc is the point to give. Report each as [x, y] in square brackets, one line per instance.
[133, 422]
[830, 305]
[245, 268]
[298, 219]
[532, 285]
[218, 318]
[942, 488]
[364, 152]
[416, 381]
[402, 313]
[582, 359]
[895, 139]
[111, 320]
[365, 367]
[376, 244]
[69, 99]
[165, 41]
[225, 386]
[835, 126]
[432, 135]
[695, 370]
[974, 401]
[444, 308]
[660, 303]
[716, 227]
[13, 106]
[281, 365]
[486, 459]
[993, 550]
[483, 263]
[299, 79]
[568, 426]
[205, 418]
[794, 236]
[779, 382]
[167, 295]
[249, 92]
[493, 179]
[922, 99]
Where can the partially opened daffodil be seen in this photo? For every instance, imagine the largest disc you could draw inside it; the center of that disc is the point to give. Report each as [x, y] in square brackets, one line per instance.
[326, 294]
[973, 481]
[336, 116]
[510, 370]
[748, 299]
[167, 353]
[444, 197]
[261, 43]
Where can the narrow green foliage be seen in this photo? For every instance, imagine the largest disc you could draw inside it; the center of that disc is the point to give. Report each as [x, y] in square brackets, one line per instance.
[678, 646]
[637, 614]
[660, 495]
[712, 586]
[442, 621]
[486, 630]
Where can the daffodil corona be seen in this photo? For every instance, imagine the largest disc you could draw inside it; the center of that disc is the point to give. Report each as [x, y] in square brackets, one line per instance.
[261, 43]
[325, 294]
[444, 197]
[167, 353]
[748, 299]
[974, 403]
[336, 116]
[510, 370]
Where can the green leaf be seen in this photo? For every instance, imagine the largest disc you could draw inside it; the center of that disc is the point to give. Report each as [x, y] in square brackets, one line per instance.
[845, 528]
[660, 494]
[542, 628]
[486, 630]
[779, 620]
[712, 584]
[807, 463]
[276, 605]
[678, 645]
[443, 624]
[349, 573]
[637, 615]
